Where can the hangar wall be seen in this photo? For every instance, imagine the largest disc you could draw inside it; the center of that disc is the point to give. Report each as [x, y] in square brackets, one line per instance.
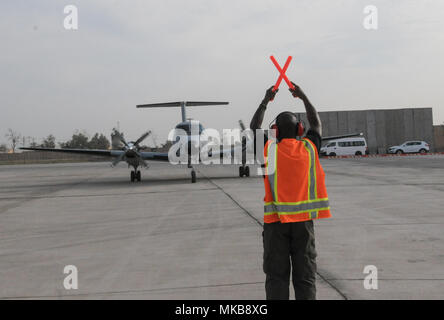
[382, 128]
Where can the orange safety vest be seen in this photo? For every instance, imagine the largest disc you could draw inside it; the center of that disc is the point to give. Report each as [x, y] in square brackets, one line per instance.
[294, 182]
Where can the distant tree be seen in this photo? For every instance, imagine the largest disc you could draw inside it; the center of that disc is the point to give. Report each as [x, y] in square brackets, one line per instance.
[28, 141]
[49, 142]
[79, 140]
[13, 137]
[99, 142]
[32, 143]
[3, 147]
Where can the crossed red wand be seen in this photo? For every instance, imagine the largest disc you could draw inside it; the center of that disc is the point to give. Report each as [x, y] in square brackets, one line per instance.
[282, 74]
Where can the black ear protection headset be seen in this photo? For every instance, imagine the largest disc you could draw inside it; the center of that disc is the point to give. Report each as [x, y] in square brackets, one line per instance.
[299, 128]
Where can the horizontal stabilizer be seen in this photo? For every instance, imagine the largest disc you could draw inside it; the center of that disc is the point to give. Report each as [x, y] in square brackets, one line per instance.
[204, 103]
[179, 104]
[182, 105]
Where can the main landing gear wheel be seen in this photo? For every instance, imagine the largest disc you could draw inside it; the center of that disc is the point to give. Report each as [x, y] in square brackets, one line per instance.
[138, 176]
[133, 176]
[193, 176]
[244, 171]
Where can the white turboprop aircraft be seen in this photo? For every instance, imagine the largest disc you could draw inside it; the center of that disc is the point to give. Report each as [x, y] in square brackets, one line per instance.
[136, 158]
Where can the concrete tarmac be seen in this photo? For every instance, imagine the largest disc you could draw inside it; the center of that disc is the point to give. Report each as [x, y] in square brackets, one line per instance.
[165, 238]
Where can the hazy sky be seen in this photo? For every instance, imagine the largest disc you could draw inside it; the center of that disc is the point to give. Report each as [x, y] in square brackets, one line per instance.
[54, 81]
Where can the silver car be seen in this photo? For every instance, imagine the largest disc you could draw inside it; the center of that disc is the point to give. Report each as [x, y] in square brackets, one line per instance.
[410, 147]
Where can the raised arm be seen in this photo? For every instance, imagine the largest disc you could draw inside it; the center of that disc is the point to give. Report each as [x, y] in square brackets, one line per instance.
[312, 114]
[258, 117]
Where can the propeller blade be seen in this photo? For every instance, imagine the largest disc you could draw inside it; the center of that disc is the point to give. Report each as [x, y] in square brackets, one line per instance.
[143, 137]
[122, 139]
[141, 160]
[242, 125]
[118, 159]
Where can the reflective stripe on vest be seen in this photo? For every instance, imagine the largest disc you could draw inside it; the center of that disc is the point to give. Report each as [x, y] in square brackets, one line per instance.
[272, 177]
[312, 205]
[312, 175]
[303, 206]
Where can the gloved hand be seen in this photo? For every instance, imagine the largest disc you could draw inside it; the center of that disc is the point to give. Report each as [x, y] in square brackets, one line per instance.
[270, 94]
[297, 91]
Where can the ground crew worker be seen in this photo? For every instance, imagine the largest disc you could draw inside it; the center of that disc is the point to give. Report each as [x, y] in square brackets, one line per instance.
[295, 194]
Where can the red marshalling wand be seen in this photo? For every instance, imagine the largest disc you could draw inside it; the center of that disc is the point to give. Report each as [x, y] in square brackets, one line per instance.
[282, 74]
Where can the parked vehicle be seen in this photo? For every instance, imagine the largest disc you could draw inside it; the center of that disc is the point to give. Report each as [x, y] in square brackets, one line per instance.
[410, 147]
[346, 146]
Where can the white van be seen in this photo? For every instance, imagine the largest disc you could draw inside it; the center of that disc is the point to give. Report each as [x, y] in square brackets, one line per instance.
[346, 146]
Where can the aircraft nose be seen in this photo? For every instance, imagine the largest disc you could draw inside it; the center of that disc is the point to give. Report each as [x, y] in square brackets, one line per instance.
[131, 153]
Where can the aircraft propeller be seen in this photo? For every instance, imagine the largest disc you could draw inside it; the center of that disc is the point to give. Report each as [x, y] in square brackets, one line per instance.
[132, 148]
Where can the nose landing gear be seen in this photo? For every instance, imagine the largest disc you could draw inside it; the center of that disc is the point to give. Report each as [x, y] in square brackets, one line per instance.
[193, 172]
[135, 175]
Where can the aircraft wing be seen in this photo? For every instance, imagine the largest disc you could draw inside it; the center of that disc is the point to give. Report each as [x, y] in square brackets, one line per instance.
[95, 152]
[154, 156]
[159, 156]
